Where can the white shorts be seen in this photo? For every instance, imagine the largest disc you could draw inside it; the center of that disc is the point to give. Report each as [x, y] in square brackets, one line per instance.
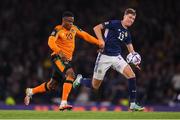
[104, 62]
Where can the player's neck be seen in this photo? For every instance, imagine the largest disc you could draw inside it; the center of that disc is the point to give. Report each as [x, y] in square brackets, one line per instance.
[65, 27]
[124, 26]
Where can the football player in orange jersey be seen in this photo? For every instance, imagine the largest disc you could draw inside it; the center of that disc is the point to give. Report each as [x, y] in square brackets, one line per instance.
[62, 43]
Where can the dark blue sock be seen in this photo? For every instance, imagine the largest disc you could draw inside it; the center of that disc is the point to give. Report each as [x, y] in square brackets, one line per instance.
[132, 89]
[86, 82]
[94, 94]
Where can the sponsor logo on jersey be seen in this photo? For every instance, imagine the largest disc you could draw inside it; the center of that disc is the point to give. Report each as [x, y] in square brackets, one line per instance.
[72, 30]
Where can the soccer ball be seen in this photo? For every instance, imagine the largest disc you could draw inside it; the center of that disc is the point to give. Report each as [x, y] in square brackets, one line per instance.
[133, 58]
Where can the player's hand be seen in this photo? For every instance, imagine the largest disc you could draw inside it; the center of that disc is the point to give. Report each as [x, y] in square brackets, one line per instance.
[138, 67]
[62, 56]
[100, 50]
[134, 59]
[102, 44]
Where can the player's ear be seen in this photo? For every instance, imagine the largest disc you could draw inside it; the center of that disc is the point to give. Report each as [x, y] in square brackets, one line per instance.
[124, 16]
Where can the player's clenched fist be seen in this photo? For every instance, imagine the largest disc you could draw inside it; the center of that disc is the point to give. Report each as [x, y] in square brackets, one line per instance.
[102, 44]
[62, 56]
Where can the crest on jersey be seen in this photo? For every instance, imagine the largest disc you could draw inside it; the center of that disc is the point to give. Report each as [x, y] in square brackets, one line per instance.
[126, 34]
[72, 30]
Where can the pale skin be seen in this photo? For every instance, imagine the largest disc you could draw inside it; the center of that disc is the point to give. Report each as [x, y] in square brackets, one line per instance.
[127, 21]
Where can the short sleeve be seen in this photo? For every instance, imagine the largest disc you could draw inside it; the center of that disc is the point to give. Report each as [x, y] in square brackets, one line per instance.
[107, 24]
[128, 39]
[54, 32]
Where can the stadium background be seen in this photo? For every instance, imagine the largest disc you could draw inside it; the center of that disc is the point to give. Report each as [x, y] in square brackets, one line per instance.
[24, 53]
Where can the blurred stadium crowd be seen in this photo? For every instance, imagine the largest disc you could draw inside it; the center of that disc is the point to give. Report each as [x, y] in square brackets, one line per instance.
[24, 53]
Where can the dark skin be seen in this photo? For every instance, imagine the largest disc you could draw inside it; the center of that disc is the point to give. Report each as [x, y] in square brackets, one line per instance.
[67, 22]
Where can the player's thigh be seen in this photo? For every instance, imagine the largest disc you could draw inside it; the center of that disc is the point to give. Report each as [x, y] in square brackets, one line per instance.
[128, 72]
[57, 63]
[56, 79]
[103, 63]
[120, 65]
[63, 68]
[69, 74]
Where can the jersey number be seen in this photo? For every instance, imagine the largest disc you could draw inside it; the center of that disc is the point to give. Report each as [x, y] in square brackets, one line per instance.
[69, 36]
[121, 36]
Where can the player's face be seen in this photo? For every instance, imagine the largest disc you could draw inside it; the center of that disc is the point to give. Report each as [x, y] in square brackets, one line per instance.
[129, 19]
[68, 22]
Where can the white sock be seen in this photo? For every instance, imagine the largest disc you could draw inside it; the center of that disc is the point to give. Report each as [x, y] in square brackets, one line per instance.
[30, 93]
[63, 102]
[132, 103]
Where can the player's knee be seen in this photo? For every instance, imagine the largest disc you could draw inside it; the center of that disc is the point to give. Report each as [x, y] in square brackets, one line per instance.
[128, 72]
[70, 75]
[95, 85]
[131, 74]
[52, 85]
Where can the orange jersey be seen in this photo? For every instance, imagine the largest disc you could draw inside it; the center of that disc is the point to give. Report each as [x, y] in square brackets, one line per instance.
[63, 40]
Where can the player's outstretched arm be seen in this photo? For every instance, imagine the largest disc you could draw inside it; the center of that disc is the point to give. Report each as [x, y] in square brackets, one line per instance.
[90, 38]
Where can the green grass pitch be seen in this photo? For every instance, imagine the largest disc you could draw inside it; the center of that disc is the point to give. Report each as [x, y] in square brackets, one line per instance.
[27, 114]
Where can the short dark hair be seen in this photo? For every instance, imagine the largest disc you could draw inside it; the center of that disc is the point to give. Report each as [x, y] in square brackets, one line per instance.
[67, 14]
[130, 11]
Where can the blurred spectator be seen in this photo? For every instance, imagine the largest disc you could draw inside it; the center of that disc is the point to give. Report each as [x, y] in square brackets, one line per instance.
[83, 97]
[176, 81]
[24, 53]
